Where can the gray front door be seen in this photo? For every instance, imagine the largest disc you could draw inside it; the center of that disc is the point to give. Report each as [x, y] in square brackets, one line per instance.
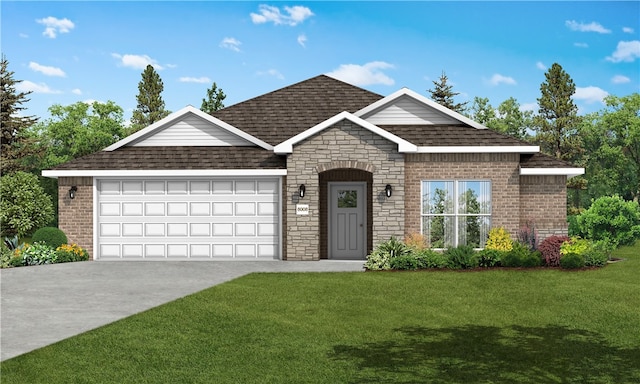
[347, 220]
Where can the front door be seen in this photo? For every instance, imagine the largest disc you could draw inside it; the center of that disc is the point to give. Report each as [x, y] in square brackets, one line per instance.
[347, 220]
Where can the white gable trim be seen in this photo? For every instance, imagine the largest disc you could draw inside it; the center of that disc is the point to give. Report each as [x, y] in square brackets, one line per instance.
[286, 146]
[416, 96]
[480, 149]
[164, 172]
[181, 113]
[569, 172]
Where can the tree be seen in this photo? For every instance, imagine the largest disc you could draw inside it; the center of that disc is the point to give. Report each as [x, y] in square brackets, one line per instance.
[78, 130]
[511, 121]
[482, 111]
[24, 206]
[150, 104]
[214, 99]
[14, 146]
[442, 93]
[557, 119]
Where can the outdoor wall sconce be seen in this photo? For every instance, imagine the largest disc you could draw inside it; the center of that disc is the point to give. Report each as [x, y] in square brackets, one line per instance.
[302, 190]
[72, 192]
[388, 190]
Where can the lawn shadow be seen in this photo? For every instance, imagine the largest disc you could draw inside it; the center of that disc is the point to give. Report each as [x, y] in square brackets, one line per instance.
[482, 354]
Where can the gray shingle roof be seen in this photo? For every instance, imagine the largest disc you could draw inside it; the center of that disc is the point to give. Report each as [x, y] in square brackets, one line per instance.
[279, 115]
[451, 135]
[149, 158]
[540, 160]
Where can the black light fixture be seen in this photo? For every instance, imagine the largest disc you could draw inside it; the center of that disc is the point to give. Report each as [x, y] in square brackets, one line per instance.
[302, 190]
[388, 190]
[72, 192]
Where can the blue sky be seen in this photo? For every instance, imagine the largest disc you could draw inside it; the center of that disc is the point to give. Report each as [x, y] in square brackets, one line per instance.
[82, 51]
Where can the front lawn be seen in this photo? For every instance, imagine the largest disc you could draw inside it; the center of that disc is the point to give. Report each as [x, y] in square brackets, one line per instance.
[496, 326]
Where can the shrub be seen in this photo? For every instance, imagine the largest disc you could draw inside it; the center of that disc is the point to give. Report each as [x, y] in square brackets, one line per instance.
[499, 239]
[428, 258]
[461, 257]
[489, 257]
[67, 253]
[528, 235]
[36, 254]
[51, 236]
[532, 259]
[5, 255]
[518, 256]
[575, 245]
[24, 205]
[416, 241]
[406, 262]
[550, 249]
[380, 257]
[571, 261]
[597, 255]
[611, 219]
[574, 228]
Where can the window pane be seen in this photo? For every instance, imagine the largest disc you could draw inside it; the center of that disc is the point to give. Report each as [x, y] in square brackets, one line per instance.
[439, 231]
[347, 199]
[437, 197]
[474, 197]
[473, 230]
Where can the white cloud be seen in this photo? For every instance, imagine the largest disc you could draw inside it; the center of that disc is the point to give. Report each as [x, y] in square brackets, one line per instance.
[137, 61]
[49, 71]
[590, 94]
[28, 86]
[581, 45]
[626, 51]
[541, 66]
[368, 74]
[230, 43]
[498, 79]
[76, 91]
[619, 79]
[172, 66]
[302, 39]
[54, 26]
[293, 15]
[529, 107]
[582, 27]
[627, 30]
[23, 35]
[271, 72]
[202, 80]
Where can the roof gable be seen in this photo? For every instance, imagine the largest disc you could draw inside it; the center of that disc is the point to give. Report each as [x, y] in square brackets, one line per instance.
[189, 127]
[287, 146]
[408, 107]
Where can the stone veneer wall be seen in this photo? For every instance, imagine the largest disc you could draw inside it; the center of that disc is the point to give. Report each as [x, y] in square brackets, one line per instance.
[344, 145]
[543, 200]
[503, 169]
[75, 217]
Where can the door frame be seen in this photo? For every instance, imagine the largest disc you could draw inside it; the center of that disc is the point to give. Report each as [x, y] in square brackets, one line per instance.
[330, 223]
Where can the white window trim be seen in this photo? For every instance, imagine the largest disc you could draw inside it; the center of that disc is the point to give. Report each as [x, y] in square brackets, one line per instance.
[455, 215]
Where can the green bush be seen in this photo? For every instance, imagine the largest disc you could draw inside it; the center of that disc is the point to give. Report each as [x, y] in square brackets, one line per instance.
[51, 236]
[428, 258]
[611, 219]
[461, 257]
[24, 205]
[5, 255]
[532, 259]
[519, 256]
[575, 245]
[571, 261]
[574, 227]
[405, 262]
[37, 254]
[71, 252]
[380, 257]
[488, 258]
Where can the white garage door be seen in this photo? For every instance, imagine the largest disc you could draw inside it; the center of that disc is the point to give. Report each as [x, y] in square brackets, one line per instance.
[176, 219]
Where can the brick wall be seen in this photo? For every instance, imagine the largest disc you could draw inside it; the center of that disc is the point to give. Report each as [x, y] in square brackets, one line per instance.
[75, 217]
[543, 200]
[344, 145]
[501, 168]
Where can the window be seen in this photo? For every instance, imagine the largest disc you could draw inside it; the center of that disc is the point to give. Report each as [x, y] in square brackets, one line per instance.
[456, 212]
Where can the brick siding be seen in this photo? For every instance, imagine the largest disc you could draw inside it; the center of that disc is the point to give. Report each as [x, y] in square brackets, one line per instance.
[543, 200]
[75, 217]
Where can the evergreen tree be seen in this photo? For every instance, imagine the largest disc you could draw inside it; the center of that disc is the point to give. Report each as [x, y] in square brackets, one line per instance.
[481, 111]
[150, 104]
[557, 121]
[511, 120]
[214, 99]
[443, 94]
[14, 145]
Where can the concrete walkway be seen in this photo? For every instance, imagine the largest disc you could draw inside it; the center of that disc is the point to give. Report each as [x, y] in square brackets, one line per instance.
[41, 305]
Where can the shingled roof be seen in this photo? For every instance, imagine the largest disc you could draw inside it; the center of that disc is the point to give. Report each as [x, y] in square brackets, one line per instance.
[151, 158]
[276, 116]
[452, 135]
[540, 160]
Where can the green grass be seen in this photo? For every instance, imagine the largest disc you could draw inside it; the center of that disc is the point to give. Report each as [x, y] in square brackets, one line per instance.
[500, 326]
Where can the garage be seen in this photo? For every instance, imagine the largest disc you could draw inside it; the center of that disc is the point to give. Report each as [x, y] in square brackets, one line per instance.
[187, 218]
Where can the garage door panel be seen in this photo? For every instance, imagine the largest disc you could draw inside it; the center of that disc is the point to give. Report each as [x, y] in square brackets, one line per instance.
[188, 218]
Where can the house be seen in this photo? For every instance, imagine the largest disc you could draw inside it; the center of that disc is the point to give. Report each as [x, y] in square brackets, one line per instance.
[319, 169]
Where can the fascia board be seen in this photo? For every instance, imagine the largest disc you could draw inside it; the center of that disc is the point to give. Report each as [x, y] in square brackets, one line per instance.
[480, 149]
[570, 172]
[163, 173]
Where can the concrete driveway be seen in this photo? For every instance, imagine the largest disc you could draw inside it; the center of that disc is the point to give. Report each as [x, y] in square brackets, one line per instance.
[41, 305]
